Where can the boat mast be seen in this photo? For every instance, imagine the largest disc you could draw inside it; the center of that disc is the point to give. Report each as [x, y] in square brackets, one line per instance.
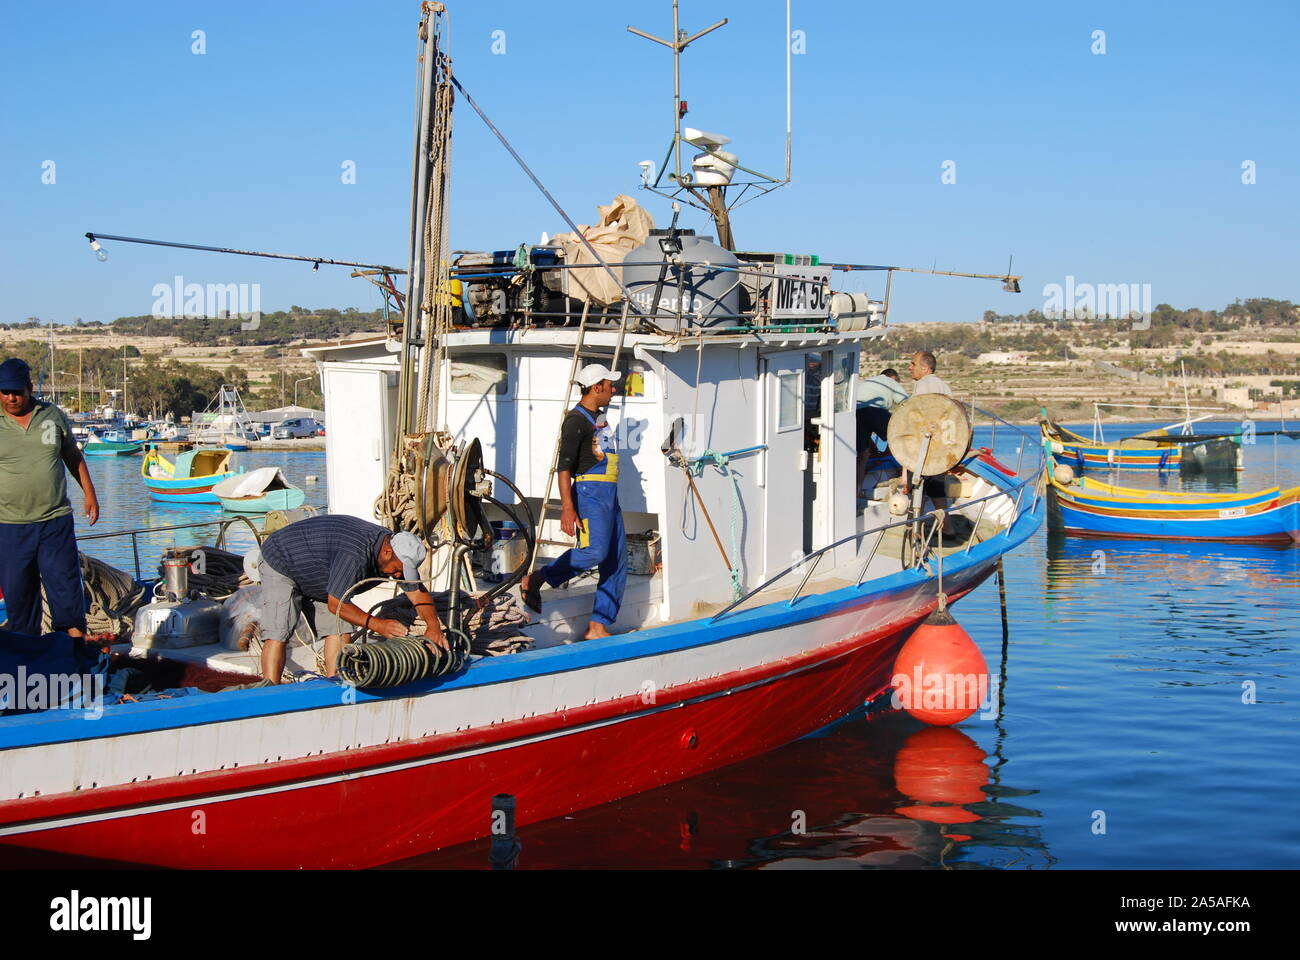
[712, 198]
[427, 307]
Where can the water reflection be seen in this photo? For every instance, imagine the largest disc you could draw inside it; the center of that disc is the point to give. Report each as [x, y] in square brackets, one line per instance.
[1081, 562]
[877, 792]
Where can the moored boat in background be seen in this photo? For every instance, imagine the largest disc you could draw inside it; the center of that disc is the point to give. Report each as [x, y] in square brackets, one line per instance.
[1087, 507]
[259, 491]
[187, 479]
[109, 445]
[1156, 450]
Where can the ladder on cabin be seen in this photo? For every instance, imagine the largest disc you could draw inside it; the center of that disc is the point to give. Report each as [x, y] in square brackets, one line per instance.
[578, 354]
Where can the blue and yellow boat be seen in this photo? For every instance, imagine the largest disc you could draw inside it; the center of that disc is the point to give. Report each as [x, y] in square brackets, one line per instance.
[1156, 450]
[188, 479]
[1087, 507]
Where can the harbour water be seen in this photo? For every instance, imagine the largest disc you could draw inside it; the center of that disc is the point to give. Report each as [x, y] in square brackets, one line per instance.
[124, 504]
[1149, 717]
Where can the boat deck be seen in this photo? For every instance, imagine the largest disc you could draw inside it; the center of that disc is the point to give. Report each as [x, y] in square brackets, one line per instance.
[566, 610]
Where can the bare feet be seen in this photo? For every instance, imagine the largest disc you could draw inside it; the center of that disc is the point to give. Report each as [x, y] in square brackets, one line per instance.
[595, 630]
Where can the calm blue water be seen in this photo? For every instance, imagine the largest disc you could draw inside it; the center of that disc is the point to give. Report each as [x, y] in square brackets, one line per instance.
[1125, 674]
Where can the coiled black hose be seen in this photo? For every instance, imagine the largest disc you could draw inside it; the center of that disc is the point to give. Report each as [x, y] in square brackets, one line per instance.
[400, 660]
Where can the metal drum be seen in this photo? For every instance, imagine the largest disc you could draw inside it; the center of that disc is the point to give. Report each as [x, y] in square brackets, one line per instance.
[705, 282]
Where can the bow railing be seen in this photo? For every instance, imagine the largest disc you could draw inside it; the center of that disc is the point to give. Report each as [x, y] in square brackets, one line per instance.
[135, 533]
[808, 562]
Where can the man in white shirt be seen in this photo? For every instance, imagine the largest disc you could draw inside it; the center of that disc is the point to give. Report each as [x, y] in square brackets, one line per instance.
[922, 370]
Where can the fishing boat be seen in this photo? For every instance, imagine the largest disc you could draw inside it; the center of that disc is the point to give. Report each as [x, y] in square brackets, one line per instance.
[259, 491]
[737, 413]
[1088, 507]
[109, 445]
[1157, 450]
[189, 478]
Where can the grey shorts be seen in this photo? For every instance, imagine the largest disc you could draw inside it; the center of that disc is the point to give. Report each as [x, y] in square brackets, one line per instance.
[282, 603]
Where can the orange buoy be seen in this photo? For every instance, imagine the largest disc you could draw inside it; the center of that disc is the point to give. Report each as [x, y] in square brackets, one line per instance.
[940, 676]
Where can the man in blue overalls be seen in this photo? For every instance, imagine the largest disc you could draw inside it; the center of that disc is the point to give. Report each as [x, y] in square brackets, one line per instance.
[587, 471]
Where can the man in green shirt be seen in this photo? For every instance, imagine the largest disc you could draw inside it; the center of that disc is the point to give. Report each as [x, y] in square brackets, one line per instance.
[37, 540]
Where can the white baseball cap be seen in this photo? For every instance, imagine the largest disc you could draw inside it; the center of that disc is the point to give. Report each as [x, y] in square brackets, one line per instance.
[408, 548]
[593, 373]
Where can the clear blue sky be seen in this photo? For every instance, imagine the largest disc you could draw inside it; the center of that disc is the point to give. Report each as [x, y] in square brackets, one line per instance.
[1122, 167]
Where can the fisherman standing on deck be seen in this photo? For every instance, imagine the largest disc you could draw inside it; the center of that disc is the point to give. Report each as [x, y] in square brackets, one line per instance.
[587, 474]
[320, 559]
[877, 396]
[38, 543]
[925, 381]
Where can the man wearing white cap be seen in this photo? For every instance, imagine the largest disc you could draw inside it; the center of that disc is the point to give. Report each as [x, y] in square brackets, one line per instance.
[587, 473]
[320, 559]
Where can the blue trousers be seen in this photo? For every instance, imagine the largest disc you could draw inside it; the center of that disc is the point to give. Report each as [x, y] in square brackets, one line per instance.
[36, 553]
[601, 543]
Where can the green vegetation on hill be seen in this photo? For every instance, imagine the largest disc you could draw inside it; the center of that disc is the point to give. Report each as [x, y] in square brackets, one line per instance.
[280, 327]
[1188, 334]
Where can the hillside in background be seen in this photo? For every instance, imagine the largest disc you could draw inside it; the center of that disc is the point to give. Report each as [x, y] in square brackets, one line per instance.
[296, 324]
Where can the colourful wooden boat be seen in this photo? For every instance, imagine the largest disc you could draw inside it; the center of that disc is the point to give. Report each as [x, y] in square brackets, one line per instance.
[259, 491]
[1157, 450]
[188, 479]
[1087, 507]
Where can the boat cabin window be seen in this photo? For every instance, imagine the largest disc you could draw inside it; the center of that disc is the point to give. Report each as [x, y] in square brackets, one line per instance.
[814, 372]
[844, 382]
[480, 374]
[789, 405]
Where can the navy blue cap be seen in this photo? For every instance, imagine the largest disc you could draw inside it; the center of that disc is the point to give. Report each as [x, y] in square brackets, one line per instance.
[14, 374]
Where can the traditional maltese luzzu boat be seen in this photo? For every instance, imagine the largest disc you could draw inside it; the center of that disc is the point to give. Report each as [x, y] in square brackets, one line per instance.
[1156, 451]
[189, 478]
[766, 598]
[1087, 507]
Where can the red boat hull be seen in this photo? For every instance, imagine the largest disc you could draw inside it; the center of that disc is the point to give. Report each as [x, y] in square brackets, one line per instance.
[368, 807]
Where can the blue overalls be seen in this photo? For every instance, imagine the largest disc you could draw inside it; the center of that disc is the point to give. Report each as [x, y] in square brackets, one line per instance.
[600, 530]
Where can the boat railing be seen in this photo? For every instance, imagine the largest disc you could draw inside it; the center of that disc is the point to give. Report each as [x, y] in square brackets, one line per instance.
[135, 532]
[809, 561]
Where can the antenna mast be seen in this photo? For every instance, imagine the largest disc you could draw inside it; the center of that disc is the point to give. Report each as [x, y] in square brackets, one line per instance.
[716, 173]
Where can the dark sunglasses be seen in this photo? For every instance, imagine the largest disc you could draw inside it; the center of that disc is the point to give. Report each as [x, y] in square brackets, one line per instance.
[14, 393]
